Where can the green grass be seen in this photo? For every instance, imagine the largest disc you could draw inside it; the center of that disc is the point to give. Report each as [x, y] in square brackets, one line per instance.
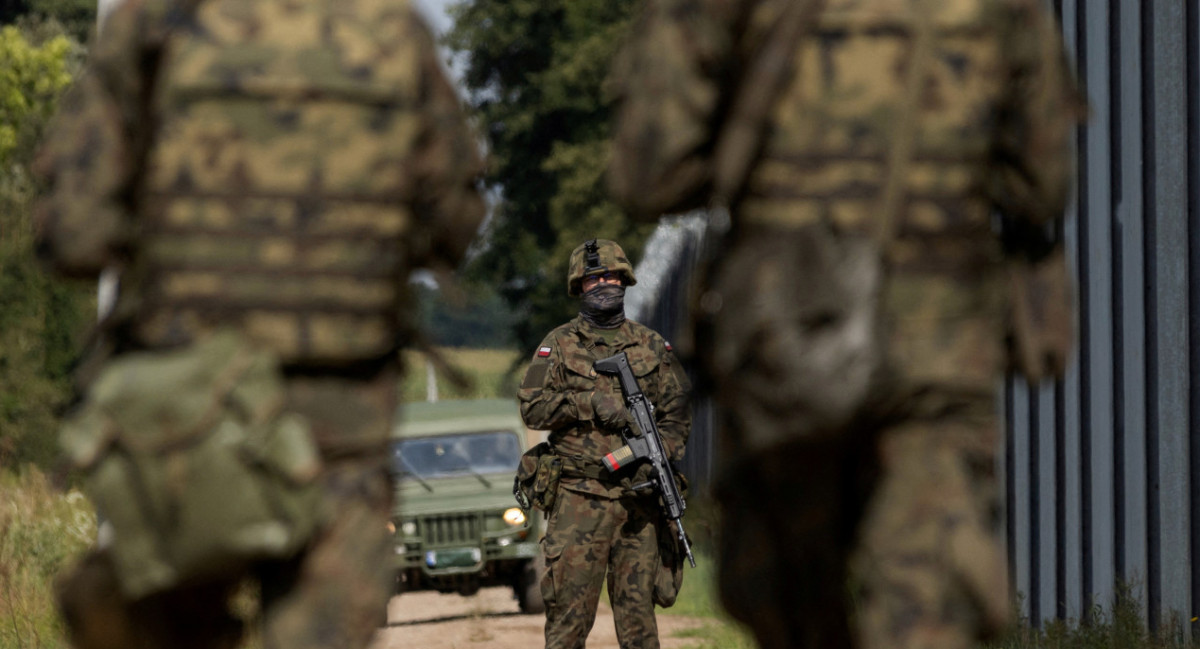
[1121, 625]
[698, 598]
[42, 530]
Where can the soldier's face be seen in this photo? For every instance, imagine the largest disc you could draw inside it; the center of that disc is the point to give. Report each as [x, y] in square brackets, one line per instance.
[592, 281]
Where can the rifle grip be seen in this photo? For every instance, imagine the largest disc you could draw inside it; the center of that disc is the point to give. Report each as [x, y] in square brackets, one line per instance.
[619, 458]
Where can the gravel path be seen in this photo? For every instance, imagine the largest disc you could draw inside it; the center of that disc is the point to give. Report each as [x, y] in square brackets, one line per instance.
[490, 619]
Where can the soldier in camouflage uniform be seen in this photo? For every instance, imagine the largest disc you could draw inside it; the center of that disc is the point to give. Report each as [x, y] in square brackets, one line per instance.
[598, 525]
[278, 168]
[934, 115]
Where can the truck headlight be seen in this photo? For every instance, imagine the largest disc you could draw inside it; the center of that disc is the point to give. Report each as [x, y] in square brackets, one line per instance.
[409, 528]
[514, 516]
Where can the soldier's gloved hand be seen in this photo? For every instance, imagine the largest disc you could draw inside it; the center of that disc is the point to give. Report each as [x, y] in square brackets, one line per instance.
[609, 409]
[644, 474]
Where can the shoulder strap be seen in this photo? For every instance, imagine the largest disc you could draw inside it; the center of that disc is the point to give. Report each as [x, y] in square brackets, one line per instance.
[741, 141]
[906, 127]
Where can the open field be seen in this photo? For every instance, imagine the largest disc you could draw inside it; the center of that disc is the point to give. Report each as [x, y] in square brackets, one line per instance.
[486, 369]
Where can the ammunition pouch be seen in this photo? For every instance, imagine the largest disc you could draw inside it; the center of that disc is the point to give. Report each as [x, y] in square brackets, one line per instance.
[669, 577]
[536, 483]
[791, 331]
[188, 455]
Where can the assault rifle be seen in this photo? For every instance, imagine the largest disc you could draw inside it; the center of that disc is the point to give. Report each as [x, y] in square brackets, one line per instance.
[645, 444]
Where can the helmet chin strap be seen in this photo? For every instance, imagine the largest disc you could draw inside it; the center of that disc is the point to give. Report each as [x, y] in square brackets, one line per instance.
[604, 306]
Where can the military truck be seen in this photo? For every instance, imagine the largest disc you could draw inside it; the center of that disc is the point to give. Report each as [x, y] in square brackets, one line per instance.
[456, 525]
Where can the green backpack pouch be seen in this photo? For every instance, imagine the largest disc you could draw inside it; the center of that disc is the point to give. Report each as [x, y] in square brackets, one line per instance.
[190, 457]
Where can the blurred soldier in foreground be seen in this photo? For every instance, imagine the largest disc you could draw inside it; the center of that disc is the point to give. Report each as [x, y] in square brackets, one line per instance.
[851, 326]
[266, 174]
[598, 525]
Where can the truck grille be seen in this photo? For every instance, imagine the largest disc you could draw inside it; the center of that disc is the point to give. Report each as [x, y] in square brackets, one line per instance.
[454, 529]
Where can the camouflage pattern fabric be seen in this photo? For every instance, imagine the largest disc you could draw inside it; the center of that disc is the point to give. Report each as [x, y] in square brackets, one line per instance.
[332, 595]
[563, 394]
[335, 594]
[930, 573]
[587, 538]
[995, 108]
[609, 256]
[599, 526]
[305, 157]
[279, 168]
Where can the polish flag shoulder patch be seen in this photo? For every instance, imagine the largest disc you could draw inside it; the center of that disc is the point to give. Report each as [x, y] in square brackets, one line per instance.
[543, 352]
[669, 347]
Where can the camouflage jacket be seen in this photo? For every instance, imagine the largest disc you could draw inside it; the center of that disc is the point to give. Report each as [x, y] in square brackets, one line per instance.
[557, 394]
[279, 167]
[976, 93]
[995, 111]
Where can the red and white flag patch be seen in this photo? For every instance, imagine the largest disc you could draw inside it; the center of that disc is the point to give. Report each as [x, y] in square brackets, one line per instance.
[543, 352]
[669, 347]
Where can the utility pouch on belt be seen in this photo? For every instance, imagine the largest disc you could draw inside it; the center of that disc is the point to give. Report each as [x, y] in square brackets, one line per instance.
[536, 483]
[798, 334]
[188, 455]
[668, 579]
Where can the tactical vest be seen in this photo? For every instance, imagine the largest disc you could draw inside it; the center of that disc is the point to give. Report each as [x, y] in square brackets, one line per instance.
[832, 128]
[276, 196]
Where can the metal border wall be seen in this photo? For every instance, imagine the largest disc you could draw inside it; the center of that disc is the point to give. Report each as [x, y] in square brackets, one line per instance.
[1098, 466]
[660, 301]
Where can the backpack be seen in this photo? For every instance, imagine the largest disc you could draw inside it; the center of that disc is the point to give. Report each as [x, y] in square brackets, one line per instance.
[188, 455]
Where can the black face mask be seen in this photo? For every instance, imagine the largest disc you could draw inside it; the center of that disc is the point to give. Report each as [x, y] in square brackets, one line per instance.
[604, 306]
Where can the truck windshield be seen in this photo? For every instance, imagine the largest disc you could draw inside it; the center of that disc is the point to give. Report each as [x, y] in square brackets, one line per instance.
[455, 455]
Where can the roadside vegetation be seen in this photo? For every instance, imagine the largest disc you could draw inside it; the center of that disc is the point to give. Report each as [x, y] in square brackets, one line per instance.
[698, 599]
[1120, 625]
[42, 529]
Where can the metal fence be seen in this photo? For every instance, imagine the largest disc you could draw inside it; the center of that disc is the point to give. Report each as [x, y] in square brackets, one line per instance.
[1099, 466]
[660, 301]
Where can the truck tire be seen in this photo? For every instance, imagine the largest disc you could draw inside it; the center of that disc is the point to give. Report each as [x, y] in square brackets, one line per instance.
[529, 586]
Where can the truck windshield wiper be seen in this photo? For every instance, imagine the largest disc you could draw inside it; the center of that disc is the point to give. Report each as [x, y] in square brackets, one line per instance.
[408, 468]
[479, 475]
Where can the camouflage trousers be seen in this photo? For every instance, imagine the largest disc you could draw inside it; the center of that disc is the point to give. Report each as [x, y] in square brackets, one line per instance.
[332, 594]
[587, 538]
[881, 540]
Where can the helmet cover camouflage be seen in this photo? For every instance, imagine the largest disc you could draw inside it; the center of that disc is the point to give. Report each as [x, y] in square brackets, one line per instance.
[608, 257]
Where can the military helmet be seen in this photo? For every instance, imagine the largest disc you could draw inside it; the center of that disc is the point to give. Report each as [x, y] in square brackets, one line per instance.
[596, 257]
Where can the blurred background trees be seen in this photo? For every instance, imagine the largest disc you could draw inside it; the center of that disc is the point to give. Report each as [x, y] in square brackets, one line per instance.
[536, 73]
[42, 322]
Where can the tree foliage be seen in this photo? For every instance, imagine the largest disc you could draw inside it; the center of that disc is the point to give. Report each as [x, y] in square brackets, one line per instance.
[31, 77]
[41, 321]
[472, 315]
[537, 75]
[76, 17]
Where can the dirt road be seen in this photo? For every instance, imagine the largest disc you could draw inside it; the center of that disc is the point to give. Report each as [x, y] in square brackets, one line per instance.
[491, 620]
